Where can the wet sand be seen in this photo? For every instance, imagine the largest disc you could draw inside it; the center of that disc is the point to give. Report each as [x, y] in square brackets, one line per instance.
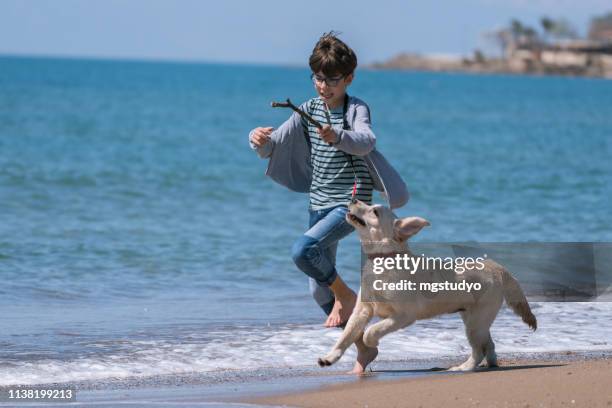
[549, 379]
[523, 383]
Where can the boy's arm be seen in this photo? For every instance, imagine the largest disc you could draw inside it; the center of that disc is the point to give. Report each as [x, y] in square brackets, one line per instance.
[292, 127]
[361, 140]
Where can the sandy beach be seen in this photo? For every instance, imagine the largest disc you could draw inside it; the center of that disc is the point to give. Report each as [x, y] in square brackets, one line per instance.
[515, 384]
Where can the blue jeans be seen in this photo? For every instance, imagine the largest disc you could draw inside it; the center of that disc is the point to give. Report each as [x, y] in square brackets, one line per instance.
[315, 252]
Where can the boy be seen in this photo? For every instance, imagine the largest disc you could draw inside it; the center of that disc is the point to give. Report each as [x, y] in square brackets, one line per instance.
[334, 165]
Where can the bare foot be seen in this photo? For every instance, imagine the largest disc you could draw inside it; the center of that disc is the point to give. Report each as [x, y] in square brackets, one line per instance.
[365, 355]
[343, 307]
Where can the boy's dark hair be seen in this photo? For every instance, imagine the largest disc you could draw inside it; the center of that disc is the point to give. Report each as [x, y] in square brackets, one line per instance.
[332, 57]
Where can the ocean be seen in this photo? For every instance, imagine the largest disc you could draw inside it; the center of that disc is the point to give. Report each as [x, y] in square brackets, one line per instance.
[139, 236]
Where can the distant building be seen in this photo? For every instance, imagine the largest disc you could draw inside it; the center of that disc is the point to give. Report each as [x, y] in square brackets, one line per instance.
[575, 57]
[601, 29]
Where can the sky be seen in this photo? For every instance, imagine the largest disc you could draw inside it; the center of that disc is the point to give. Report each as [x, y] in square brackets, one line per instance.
[266, 31]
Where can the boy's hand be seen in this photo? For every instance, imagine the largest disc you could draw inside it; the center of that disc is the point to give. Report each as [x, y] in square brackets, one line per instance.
[328, 134]
[261, 136]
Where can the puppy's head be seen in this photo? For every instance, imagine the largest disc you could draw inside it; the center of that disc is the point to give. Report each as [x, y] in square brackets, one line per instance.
[376, 223]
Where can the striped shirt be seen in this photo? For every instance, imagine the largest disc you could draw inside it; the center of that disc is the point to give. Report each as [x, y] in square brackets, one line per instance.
[333, 171]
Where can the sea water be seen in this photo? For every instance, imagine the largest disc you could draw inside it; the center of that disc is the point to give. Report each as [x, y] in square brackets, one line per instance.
[140, 237]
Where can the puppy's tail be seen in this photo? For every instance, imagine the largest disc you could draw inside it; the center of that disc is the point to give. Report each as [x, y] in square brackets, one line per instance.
[515, 298]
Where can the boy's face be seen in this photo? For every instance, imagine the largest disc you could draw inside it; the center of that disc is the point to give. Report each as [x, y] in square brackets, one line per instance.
[332, 89]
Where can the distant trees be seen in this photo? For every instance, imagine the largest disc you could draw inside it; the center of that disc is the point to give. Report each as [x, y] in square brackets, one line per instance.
[514, 35]
[501, 38]
[558, 29]
[519, 35]
[523, 34]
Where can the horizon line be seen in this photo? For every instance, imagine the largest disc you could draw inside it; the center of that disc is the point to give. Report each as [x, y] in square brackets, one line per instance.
[195, 61]
[145, 59]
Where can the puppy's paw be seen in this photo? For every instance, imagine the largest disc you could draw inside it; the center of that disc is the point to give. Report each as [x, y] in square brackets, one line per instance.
[462, 368]
[330, 358]
[323, 362]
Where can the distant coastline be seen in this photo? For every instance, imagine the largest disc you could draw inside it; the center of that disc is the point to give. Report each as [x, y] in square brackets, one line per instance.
[576, 59]
[556, 49]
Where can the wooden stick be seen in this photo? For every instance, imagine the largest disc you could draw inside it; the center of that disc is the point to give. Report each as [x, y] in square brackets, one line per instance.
[303, 114]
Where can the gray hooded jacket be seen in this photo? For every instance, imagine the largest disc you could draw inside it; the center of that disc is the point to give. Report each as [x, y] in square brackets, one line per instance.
[289, 154]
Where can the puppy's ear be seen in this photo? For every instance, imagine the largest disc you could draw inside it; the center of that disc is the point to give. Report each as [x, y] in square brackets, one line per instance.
[404, 228]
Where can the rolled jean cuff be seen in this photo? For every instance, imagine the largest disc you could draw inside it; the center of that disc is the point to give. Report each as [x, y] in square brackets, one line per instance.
[330, 279]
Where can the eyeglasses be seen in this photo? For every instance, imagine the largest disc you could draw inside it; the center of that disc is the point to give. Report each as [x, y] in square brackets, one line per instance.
[328, 81]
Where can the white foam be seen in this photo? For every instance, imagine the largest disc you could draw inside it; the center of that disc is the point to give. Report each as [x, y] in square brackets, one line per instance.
[561, 327]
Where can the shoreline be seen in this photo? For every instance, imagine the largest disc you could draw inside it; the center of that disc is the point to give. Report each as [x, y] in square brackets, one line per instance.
[548, 62]
[561, 381]
[313, 386]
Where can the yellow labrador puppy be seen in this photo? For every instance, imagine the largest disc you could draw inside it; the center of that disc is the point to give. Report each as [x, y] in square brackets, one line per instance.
[384, 235]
